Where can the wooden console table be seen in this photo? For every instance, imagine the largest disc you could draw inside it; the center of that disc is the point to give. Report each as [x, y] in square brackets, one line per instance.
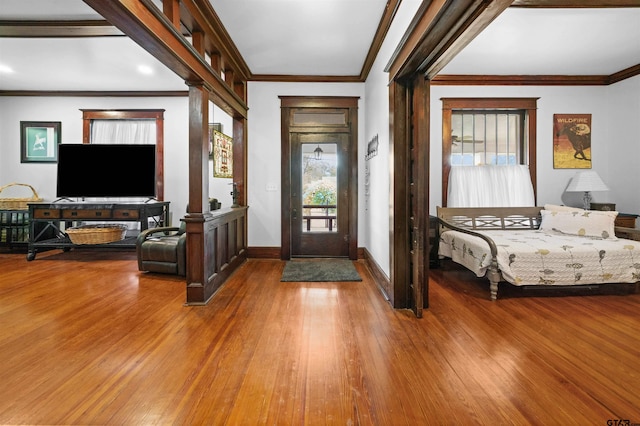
[53, 215]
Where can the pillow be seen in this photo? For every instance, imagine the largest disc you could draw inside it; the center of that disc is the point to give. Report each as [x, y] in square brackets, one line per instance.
[586, 223]
[556, 208]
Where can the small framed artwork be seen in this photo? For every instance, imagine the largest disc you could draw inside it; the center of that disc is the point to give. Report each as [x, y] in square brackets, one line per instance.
[571, 141]
[39, 141]
[222, 155]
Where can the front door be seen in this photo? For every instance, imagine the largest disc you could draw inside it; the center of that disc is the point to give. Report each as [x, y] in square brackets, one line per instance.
[319, 201]
[319, 164]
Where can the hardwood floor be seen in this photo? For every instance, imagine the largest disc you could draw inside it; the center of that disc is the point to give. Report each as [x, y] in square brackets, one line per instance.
[87, 339]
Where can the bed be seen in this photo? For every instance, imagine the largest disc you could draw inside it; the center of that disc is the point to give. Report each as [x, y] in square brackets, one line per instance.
[536, 246]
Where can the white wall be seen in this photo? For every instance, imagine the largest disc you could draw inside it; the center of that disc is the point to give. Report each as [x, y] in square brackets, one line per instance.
[615, 111]
[264, 153]
[220, 188]
[42, 176]
[623, 142]
[375, 219]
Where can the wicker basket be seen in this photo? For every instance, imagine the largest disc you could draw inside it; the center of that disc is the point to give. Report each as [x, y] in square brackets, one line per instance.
[18, 203]
[96, 234]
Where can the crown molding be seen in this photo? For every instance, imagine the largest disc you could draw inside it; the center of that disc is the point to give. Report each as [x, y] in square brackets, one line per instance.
[97, 93]
[534, 80]
[307, 78]
[574, 3]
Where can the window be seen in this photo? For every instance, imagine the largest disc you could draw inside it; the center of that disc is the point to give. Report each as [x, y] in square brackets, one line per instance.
[140, 127]
[479, 131]
[487, 137]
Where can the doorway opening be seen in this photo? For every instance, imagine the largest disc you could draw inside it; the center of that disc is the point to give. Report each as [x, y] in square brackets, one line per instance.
[319, 177]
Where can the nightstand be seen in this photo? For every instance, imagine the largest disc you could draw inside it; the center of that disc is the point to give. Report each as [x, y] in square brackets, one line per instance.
[626, 220]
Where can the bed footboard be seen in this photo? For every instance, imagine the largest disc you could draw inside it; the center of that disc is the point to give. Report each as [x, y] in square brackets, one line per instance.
[472, 219]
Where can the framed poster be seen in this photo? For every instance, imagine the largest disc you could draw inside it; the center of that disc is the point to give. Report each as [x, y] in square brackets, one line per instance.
[39, 141]
[571, 141]
[222, 155]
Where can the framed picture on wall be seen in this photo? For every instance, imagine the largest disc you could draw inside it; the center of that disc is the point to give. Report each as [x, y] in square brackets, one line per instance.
[571, 141]
[39, 141]
[222, 155]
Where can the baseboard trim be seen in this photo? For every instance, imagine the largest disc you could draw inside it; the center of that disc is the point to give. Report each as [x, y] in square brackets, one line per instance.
[380, 278]
[263, 252]
[274, 252]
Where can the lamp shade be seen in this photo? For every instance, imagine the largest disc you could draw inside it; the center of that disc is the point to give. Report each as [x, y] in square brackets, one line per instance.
[586, 181]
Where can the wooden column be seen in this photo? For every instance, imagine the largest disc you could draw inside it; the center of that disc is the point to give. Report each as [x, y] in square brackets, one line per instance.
[420, 195]
[240, 158]
[198, 199]
[400, 224]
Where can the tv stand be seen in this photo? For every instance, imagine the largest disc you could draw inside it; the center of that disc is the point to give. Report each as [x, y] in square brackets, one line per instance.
[60, 216]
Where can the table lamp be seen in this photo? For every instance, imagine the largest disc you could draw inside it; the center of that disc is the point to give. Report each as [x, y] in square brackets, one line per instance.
[586, 181]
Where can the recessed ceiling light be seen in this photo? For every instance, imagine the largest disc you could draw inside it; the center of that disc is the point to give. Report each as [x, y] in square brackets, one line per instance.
[145, 69]
[5, 69]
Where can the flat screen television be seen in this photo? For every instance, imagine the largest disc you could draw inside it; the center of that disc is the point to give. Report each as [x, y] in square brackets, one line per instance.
[106, 170]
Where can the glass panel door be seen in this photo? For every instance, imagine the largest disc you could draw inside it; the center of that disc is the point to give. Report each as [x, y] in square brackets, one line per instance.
[319, 187]
[318, 196]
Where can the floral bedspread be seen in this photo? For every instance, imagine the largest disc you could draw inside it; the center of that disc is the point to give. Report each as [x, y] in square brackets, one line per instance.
[532, 257]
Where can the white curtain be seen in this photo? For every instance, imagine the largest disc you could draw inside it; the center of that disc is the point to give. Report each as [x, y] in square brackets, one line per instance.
[490, 186]
[123, 132]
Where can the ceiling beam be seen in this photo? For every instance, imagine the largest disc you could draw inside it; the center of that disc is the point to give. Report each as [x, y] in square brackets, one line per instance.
[438, 32]
[381, 32]
[218, 39]
[154, 32]
[463, 30]
[40, 29]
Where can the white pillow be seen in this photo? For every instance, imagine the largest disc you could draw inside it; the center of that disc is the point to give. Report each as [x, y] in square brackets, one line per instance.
[587, 223]
[557, 208]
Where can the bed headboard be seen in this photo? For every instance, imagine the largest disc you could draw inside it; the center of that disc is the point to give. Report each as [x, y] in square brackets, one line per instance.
[491, 218]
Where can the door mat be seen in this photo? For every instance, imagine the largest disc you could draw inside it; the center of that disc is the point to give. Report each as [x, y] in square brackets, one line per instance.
[320, 270]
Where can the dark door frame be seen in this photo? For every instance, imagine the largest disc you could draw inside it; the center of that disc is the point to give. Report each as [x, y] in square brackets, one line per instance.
[294, 103]
[437, 33]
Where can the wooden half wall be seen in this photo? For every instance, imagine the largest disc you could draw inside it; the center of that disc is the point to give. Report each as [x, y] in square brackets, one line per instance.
[221, 248]
[215, 72]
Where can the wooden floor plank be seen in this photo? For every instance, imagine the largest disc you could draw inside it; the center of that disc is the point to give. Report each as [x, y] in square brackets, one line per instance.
[87, 339]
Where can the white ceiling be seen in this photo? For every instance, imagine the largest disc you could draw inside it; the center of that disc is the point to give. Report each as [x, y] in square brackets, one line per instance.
[323, 37]
[302, 37]
[84, 64]
[553, 42]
